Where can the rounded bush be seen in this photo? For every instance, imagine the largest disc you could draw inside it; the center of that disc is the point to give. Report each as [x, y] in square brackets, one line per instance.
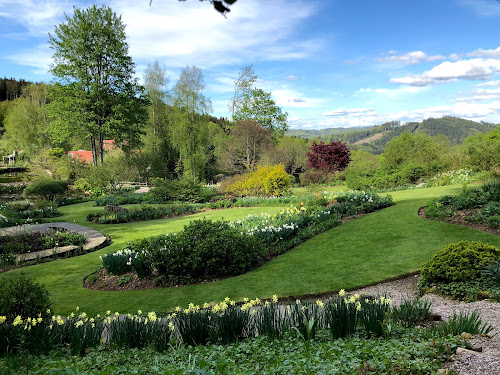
[23, 296]
[203, 250]
[461, 261]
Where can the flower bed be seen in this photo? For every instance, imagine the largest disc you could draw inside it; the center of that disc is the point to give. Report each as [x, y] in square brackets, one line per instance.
[144, 213]
[219, 323]
[20, 213]
[207, 250]
[474, 205]
[22, 243]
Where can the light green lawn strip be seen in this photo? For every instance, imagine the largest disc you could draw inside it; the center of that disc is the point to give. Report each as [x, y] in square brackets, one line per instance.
[383, 244]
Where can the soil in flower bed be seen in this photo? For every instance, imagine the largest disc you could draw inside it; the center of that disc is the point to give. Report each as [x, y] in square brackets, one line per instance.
[461, 218]
[102, 280]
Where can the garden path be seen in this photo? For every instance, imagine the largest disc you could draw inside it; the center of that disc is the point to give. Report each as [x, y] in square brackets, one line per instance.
[464, 362]
[95, 239]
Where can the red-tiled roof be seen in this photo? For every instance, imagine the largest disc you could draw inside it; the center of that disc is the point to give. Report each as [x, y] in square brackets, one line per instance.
[81, 155]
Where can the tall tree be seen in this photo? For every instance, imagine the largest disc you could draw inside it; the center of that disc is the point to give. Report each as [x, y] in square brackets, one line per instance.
[157, 157]
[242, 87]
[259, 105]
[189, 125]
[95, 96]
[245, 146]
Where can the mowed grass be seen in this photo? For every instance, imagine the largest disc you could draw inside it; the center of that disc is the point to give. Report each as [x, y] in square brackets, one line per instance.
[372, 248]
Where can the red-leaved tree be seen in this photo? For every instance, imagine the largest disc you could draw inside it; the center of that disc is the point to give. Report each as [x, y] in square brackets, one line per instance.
[334, 156]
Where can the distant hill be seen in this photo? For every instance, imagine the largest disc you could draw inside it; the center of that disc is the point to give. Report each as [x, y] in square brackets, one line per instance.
[375, 138]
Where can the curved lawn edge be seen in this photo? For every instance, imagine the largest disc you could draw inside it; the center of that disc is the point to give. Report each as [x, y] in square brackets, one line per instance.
[375, 247]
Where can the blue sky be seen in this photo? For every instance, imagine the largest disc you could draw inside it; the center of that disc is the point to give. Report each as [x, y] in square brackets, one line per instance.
[328, 63]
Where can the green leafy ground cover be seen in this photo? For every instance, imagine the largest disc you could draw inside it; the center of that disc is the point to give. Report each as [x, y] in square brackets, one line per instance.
[383, 244]
[411, 352]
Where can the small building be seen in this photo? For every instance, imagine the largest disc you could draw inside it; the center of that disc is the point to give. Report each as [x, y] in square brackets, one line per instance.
[85, 156]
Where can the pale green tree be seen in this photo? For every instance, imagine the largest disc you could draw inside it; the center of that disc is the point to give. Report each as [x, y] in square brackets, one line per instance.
[243, 87]
[189, 125]
[27, 120]
[259, 105]
[157, 156]
[95, 96]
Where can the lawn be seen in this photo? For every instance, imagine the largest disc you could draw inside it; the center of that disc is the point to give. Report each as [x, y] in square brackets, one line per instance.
[374, 247]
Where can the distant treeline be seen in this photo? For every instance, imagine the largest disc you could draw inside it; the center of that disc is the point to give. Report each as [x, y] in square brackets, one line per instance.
[11, 88]
[455, 129]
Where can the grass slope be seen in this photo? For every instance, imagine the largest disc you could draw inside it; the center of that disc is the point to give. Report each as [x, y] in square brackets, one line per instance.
[384, 244]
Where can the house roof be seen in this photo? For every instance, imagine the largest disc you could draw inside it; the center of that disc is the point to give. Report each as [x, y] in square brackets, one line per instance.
[81, 155]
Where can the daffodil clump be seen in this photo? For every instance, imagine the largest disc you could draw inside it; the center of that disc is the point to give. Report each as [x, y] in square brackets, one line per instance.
[221, 322]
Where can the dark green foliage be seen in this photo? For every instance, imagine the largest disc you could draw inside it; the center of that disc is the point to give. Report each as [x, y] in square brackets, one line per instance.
[462, 261]
[486, 200]
[24, 297]
[492, 272]
[36, 241]
[469, 323]
[411, 312]
[11, 189]
[341, 316]
[144, 213]
[411, 352]
[203, 250]
[468, 291]
[46, 188]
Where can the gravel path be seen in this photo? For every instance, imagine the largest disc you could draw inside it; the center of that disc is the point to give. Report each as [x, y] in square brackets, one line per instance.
[465, 362]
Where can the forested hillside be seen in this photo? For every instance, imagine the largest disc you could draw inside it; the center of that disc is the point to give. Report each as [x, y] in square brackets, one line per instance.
[455, 129]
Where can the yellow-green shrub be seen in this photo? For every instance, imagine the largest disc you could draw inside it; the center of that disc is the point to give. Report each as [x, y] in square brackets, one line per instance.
[270, 180]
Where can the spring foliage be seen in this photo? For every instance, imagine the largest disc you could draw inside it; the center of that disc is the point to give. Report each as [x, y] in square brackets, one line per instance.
[461, 261]
[271, 180]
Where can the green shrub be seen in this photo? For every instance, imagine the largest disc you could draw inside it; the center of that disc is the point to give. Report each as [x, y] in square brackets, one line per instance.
[46, 188]
[24, 297]
[203, 250]
[462, 261]
[271, 180]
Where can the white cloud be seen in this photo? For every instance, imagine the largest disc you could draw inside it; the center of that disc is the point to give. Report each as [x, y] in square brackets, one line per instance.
[294, 99]
[485, 8]
[409, 58]
[352, 112]
[393, 93]
[474, 69]
[291, 78]
[39, 58]
[193, 33]
[37, 17]
[492, 53]
[455, 57]
[181, 33]
[414, 57]
[436, 58]
[489, 84]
